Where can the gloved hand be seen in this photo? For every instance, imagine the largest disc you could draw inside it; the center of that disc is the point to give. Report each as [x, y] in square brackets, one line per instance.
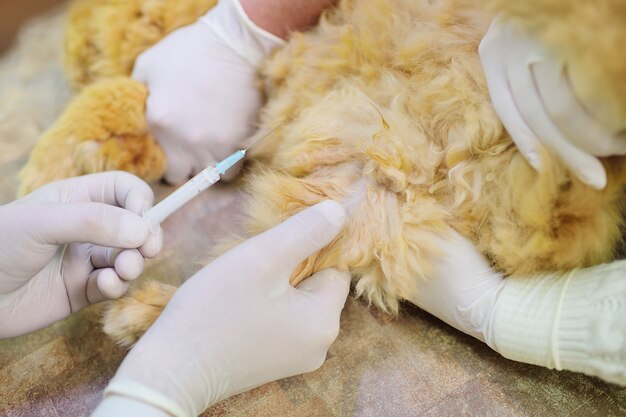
[237, 324]
[203, 100]
[573, 321]
[58, 248]
[532, 95]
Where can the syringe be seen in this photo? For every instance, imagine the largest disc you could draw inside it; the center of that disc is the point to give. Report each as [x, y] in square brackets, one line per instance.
[206, 178]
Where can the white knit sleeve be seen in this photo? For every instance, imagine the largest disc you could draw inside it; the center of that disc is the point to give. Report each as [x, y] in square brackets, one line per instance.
[575, 321]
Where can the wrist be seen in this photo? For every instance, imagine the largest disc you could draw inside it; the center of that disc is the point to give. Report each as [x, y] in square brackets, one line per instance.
[181, 385]
[524, 318]
[573, 321]
[280, 17]
[117, 405]
[592, 327]
[264, 17]
[132, 394]
[229, 22]
[463, 290]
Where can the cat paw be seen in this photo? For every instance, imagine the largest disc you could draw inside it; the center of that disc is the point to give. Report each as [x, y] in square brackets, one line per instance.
[103, 129]
[127, 319]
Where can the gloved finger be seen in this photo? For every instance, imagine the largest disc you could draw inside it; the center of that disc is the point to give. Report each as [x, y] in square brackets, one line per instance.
[129, 264]
[300, 236]
[502, 99]
[179, 162]
[521, 134]
[586, 167]
[569, 115]
[326, 293]
[103, 257]
[328, 288]
[179, 166]
[105, 284]
[140, 69]
[114, 188]
[95, 223]
[153, 245]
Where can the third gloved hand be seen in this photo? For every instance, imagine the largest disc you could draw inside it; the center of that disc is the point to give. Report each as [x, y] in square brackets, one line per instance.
[533, 96]
[572, 321]
[203, 98]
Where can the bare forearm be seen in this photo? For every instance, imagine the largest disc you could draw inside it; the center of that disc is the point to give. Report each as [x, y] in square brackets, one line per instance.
[283, 16]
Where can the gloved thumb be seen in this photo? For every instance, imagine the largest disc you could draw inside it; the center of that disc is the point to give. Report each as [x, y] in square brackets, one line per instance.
[95, 223]
[302, 235]
[329, 287]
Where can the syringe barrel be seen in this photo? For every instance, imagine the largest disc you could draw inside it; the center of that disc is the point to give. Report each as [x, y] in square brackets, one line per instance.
[157, 214]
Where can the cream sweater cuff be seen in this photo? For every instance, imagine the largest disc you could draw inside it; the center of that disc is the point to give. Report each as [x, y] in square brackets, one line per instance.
[573, 321]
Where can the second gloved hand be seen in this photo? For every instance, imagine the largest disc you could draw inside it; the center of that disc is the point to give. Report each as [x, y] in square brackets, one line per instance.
[203, 99]
[237, 323]
[536, 102]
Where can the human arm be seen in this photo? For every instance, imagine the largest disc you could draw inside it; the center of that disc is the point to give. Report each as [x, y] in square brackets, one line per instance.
[532, 94]
[543, 320]
[202, 79]
[281, 17]
[570, 321]
[237, 324]
[70, 244]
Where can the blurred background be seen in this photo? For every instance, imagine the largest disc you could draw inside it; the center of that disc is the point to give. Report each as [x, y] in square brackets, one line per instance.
[15, 12]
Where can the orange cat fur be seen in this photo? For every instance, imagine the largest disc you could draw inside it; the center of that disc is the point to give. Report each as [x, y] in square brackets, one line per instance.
[105, 36]
[102, 41]
[384, 107]
[441, 158]
[397, 124]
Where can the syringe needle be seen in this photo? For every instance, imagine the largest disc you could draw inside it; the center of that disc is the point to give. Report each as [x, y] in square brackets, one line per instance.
[263, 137]
[206, 178]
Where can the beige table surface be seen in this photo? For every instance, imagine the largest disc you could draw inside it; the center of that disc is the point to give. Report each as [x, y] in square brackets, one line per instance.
[411, 366]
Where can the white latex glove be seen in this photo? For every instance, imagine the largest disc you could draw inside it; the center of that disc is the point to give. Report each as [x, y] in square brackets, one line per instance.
[532, 95]
[58, 248]
[573, 321]
[237, 324]
[203, 98]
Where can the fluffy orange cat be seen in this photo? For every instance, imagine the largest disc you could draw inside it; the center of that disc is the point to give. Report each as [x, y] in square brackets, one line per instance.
[384, 107]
